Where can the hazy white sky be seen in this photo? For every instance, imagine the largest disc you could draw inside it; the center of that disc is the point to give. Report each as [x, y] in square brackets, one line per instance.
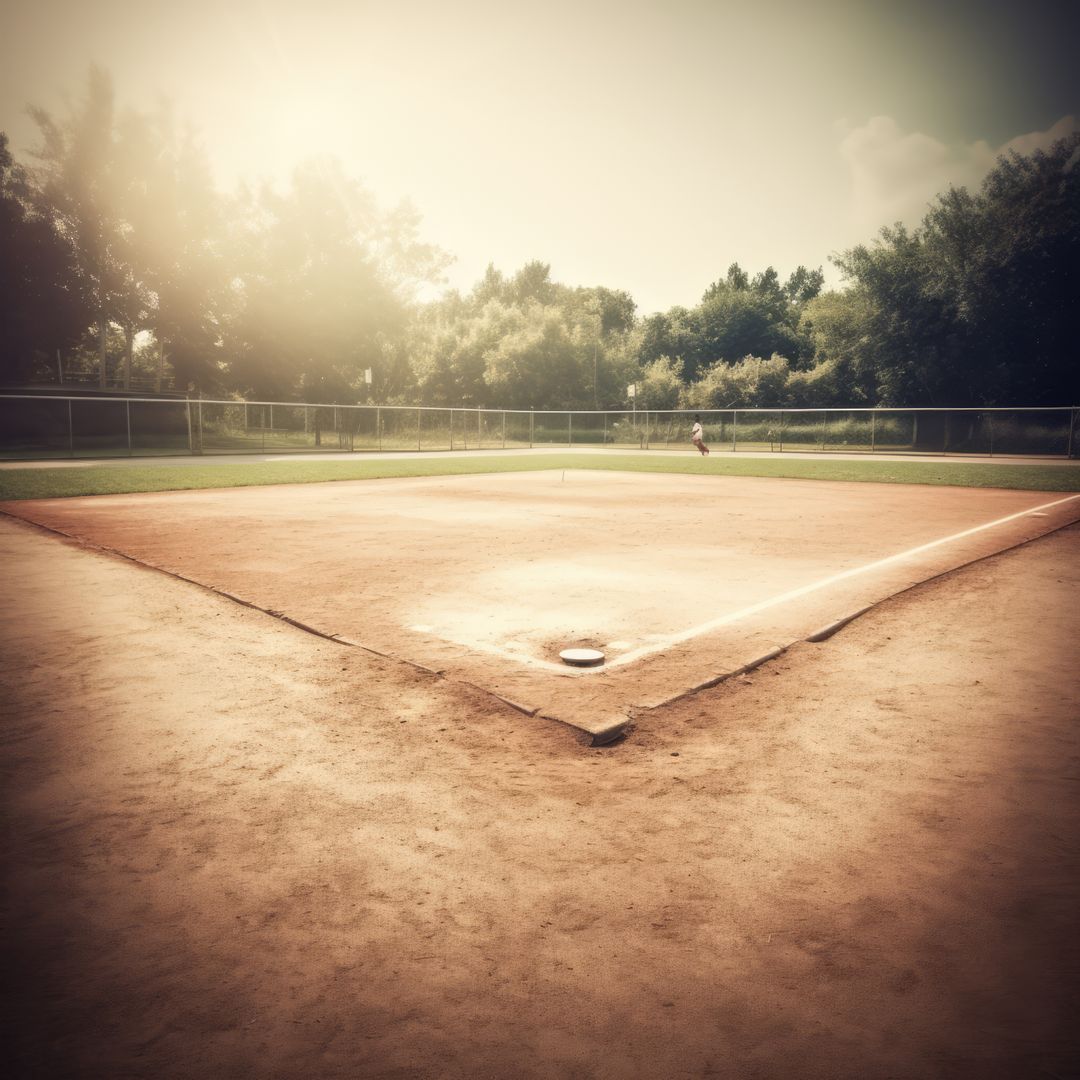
[641, 146]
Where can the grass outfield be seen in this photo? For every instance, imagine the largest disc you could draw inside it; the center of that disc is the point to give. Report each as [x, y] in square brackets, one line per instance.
[59, 483]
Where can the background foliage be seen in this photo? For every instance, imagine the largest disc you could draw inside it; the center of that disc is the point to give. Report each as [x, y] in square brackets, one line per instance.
[120, 259]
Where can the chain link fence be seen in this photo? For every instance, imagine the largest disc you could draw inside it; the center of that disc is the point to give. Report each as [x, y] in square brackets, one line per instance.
[50, 426]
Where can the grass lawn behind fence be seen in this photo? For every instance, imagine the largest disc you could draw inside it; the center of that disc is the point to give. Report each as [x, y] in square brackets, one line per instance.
[66, 482]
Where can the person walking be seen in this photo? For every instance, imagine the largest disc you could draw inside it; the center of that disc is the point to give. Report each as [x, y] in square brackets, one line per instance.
[697, 437]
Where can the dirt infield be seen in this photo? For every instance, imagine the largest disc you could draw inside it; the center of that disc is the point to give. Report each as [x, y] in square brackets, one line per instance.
[679, 580]
[236, 850]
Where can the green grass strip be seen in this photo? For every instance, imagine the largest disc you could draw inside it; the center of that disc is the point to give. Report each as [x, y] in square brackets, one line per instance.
[69, 481]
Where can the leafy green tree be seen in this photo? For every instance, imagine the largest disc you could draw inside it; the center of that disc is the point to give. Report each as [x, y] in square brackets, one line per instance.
[839, 326]
[736, 280]
[615, 307]
[739, 316]
[531, 283]
[822, 386]
[133, 199]
[322, 283]
[674, 333]
[1027, 275]
[909, 323]
[804, 285]
[536, 362]
[580, 336]
[78, 186]
[977, 305]
[176, 243]
[492, 286]
[742, 322]
[660, 384]
[752, 382]
[43, 309]
[450, 359]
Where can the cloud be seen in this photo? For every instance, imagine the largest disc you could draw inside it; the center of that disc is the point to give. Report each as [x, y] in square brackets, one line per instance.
[895, 175]
[1041, 140]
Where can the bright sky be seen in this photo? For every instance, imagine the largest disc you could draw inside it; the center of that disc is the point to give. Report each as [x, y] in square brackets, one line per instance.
[640, 146]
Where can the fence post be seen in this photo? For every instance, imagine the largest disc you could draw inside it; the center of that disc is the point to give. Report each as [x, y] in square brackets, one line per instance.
[569, 429]
[824, 421]
[127, 411]
[190, 441]
[378, 426]
[873, 431]
[71, 432]
[781, 431]
[734, 428]
[262, 426]
[199, 443]
[605, 430]
[504, 429]
[532, 417]
[419, 414]
[451, 429]
[479, 430]
[1072, 425]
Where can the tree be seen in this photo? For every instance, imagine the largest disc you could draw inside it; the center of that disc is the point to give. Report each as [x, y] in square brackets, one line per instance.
[536, 363]
[804, 285]
[742, 322]
[977, 306]
[79, 188]
[1027, 273]
[322, 282]
[660, 384]
[177, 232]
[531, 282]
[736, 280]
[840, 328]
[43, 309]
[908, 323]
[753, 382]
[492, 286]
[451, 357]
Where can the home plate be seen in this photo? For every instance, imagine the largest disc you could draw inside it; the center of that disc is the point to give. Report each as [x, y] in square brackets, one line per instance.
[582, 657]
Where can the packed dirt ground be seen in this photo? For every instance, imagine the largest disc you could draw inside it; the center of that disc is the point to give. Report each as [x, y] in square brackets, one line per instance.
[233, 849]
[487, 578]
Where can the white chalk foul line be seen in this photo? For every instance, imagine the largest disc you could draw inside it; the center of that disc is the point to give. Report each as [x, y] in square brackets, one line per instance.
[726, 620]
[824, 583]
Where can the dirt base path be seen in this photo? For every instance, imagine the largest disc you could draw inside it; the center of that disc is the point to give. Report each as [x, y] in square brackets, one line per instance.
[234, 850]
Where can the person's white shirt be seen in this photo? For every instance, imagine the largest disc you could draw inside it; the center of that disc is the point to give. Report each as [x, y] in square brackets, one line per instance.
[695, 434]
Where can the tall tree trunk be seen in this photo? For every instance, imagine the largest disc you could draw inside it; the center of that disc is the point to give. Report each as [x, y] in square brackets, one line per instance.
[103, 336]
[129, 335]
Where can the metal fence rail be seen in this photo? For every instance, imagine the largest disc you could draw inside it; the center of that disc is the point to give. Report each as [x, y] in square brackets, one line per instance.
[39, 426]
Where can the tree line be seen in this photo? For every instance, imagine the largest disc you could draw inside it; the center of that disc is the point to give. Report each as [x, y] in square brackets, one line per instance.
[119, 256]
